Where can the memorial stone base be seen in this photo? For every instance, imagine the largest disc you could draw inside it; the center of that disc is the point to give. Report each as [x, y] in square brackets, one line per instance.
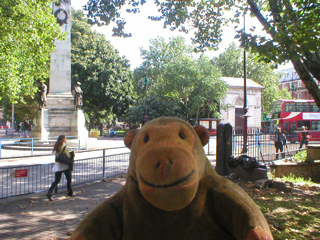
[60, 118]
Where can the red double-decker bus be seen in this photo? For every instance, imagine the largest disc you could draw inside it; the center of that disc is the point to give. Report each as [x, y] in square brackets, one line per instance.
[291, 115]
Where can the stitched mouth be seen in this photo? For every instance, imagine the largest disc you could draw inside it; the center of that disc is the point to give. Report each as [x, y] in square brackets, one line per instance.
[168, 185]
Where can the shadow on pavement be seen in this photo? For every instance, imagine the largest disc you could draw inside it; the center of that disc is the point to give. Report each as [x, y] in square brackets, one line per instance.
[34, 217]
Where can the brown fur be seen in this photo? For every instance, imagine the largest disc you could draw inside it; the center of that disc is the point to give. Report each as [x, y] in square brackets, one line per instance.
[172, 192]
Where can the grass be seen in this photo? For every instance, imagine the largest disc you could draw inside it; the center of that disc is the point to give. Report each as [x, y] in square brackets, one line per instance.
[294, 179]
[300, 156]
[120, 132]
[294, 215]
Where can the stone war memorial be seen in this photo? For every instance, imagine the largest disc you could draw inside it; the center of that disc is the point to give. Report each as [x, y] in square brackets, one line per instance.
[60, 115]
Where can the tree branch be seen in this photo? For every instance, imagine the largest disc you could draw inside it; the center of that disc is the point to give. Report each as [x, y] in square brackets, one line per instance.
[255, 10]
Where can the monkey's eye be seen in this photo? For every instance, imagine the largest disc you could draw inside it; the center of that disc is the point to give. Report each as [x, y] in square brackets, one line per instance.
[182, 136]
[146, 138]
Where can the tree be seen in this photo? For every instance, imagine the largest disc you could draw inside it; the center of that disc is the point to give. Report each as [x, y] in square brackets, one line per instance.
[230, 63]
[158, 55]
[196, 84]
[27, 33]
[157, 106]
[193, 84]
[291, 27]
[25, 110]
[105, 76]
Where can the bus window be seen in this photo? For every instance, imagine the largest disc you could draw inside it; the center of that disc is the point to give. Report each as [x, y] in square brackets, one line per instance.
[316, 125]
[303, 123]
[303, 107]
[293, 126]
[285, 127]
[306, 107]
[273, 126]
[277, 107]
[314, 108]
[290, 107]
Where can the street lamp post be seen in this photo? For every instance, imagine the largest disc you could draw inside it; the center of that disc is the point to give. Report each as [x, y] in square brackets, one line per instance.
[12, 119]
[245, 107]
[145, 81]
[293, 88]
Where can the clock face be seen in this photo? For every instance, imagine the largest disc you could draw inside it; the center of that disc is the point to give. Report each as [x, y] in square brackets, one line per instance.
[61, 15]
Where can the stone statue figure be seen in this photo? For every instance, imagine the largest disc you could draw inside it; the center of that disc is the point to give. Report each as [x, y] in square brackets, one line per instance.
[77, 94]
[42, 95]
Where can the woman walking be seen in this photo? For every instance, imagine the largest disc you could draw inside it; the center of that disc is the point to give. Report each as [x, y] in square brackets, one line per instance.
[59, 168]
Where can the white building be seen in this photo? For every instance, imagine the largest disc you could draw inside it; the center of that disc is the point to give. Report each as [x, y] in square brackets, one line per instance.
[234, 100]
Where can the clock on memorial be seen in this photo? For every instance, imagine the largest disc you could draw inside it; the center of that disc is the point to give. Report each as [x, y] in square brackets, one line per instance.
[61, 15]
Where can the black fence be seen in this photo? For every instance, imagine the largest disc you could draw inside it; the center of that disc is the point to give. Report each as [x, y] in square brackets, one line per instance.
[260, 145]
[21, 146]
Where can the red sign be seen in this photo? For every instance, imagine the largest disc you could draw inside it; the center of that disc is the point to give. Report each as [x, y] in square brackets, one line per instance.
[19, 173]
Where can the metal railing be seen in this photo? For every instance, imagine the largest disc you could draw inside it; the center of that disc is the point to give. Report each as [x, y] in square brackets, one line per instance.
[36, 178]
[260, 145]
[33, 146]
[15, 181]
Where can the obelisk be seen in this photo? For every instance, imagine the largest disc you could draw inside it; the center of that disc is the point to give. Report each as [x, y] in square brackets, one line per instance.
[60, 96]
[60, 62]
[60, 115]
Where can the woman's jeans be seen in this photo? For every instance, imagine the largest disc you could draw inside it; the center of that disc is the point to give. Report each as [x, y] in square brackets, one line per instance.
[57, 178]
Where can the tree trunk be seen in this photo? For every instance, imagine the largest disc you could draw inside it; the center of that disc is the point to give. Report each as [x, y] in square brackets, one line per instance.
[92, 119]
[304, 69]
[308, 80]
[312, 62]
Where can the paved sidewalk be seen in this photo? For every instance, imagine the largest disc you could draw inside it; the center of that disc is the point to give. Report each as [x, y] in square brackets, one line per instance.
[34, 217]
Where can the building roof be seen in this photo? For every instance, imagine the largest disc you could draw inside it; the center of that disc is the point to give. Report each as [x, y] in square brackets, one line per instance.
[238, 82]
[288, 75]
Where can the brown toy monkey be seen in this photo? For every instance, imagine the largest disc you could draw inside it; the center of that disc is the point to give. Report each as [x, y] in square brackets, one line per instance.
[173, 192]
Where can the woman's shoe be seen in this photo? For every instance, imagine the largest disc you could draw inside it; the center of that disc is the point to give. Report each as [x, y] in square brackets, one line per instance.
[49, 196]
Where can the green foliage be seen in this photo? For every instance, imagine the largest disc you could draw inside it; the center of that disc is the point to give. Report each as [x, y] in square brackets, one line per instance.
[291, 28]
[157, 106]
[230, 63]
[25, 110]
[300, 156]
[294, 179]
[105, 76]
[27, 33]
[194, 85]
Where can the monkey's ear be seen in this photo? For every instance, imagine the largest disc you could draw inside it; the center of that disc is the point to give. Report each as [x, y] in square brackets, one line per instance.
[128, 138]
[203, 134]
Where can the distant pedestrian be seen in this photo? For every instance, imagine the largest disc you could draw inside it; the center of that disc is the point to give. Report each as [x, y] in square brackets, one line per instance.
[279, 141]
[26, 128]
[304, 140]
[113, 132]
[101, 129]
[59, 168]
